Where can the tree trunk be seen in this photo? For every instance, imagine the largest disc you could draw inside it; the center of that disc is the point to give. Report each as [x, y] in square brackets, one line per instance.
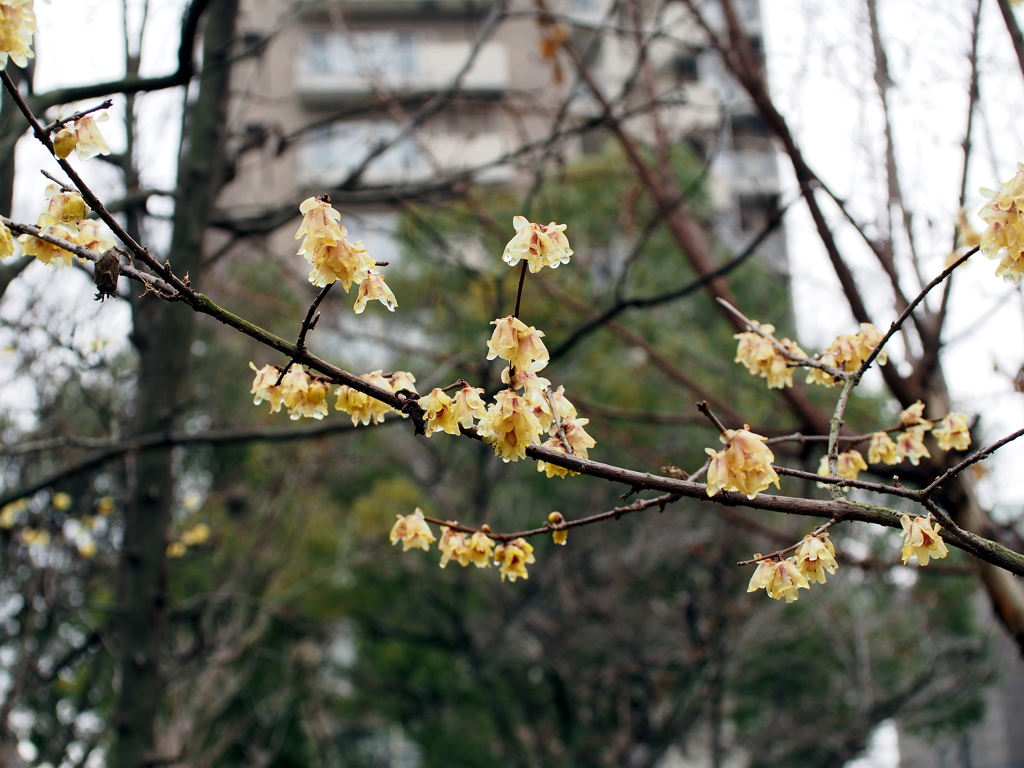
[163, 336]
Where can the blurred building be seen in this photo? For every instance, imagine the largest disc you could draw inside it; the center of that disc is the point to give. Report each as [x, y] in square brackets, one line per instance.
[338, 80]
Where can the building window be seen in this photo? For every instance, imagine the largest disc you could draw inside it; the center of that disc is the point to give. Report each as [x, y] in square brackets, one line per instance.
[756, 210]
[749, 132]
[332, 152]
[360, 53]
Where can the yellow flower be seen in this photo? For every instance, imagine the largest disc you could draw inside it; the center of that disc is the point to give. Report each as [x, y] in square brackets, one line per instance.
[263, 386]
[818, 376]
[413, 531]
[541, 246]
[402, 380]
[480, 547]
[524, 379]
[562, 535]
[1004, 238]
[6, 242]
[344, 261]
[454, 546]
[513, 558]
[35, 537]
[953, 433]
[47, 252]
[90, 141]
[848, 352]
[320, 223]
[921, 539]
[910, 444]
[373, 287]
[10, 512]
[761, 358]
[912, 416]
[815, 556]
[92, 235]
[882, 449]
[518, 343]
[17, 25]
[83, 135]
[744, 464]
[105, 505]
[304, 395]
[576, 437]
[197, 534]
[780, 579]
[61, 502]
[439, 414]
[361, 407]
[851, 463]
[467, 405]
[86, 547]
[63, 208]
[509, 426]
[553, 470]
[176, 549]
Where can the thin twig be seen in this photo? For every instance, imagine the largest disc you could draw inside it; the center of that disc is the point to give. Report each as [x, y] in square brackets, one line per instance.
[984, 453]
[56, 124]
[779, 553]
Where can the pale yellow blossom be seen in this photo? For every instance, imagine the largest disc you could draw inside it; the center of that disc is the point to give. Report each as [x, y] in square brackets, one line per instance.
[454, 546]
[882, 450]
[541, 245]
[744, 464]
[176, 549]
[921, 539]
[913, 416]
[373, 287]
[61, 502]
[467, 405]
[561, 535]
[911, 444]
[197, 534]
[553, 470]
[953, 433]
[361, 407]
[264, 387]
[513, 558]
[83, 135]
[815, 556]
[480, 548]
[17, 26]
[92, 235]
[6, 242]
[518, 343]
[779, 578]
[438, 413]
[1004, 238]
[413, 531]
[509, 426]
[761, 357]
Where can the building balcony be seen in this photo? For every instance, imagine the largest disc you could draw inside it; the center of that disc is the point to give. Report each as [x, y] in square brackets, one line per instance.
[335, 67]
[331, 153]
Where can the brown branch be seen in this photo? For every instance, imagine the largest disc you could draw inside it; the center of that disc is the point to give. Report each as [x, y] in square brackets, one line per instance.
[984, 453]
[169, 439]
[135, 84]
[153, 284]
[1014, 29]
[57, 124]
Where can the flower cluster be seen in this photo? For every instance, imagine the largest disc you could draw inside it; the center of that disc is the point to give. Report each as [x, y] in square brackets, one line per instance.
[517, 419]
[921, 538]
[193, 537]
[1004, 238]
[299, 392]
[361, 407]
[83, 135]
[744, 465]
[782, 578]
[759, 354]
[63, 218]
[17, 26]
[334, 258]
[478, 548]
[541, 245]
[850, 464]
[847, 353]
[450, 414]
